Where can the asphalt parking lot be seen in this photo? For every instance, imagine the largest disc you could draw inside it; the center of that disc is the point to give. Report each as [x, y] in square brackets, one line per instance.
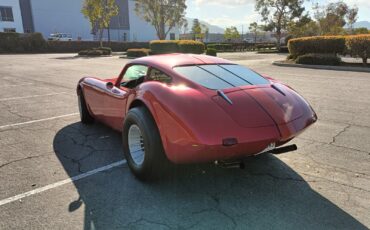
[56, 173]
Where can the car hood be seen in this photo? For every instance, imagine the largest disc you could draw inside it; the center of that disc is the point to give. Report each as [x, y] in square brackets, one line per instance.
[262, 106]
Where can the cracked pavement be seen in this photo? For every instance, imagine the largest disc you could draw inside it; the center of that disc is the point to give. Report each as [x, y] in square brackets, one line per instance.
[325, 184]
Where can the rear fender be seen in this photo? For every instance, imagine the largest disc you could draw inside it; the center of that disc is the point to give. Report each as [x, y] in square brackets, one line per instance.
[187, 119]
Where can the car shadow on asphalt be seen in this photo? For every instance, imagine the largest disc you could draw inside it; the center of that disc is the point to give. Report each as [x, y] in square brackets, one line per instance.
[267, 194]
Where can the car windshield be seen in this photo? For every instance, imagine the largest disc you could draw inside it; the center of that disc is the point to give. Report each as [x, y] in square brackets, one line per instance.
[221, 76]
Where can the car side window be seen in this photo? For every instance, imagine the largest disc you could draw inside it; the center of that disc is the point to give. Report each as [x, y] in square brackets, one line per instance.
[156, 75]
[135, 72]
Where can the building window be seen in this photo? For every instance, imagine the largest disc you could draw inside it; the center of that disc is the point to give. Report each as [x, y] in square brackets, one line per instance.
[172, 36]
[6, 14]
[9, 30]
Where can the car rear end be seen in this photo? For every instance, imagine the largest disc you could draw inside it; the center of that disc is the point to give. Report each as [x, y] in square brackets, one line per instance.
[250, 114]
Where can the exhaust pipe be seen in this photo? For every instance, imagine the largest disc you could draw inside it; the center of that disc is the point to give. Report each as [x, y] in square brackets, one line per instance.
[240, 164]
[284, 149]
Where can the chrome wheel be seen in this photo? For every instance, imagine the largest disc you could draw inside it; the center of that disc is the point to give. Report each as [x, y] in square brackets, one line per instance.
[136, 144]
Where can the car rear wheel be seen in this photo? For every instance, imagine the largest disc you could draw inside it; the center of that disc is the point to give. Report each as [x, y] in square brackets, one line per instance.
[85, 116]
[142, 145]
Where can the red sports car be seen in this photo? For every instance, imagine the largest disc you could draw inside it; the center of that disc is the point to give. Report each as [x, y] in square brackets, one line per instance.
[193, 108]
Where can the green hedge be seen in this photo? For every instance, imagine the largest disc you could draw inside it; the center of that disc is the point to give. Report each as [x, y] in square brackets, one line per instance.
[355, 45]
[318, 59]
[318, 44]
[164, 46]
[76, 46]
[265, 46]
[190, 46]
[21, 43]
[222, 47]
[359, 46]
[96, 51]
[176, 46]
[211, 52]
[35, 43]
[138, 52]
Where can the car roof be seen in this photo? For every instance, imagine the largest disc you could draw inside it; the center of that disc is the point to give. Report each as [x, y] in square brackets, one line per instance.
[178, 59]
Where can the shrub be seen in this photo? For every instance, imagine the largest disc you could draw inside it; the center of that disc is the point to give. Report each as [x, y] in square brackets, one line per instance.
[265, 46]
[211, 52]
[164, 46]
[284, 49]
[290, 57]
[96, 51]
[359, 46]
[21, 43]
[318, 44]
[175, 46]
[221, 47]
[318, 59]
[75, 46]
[9, 42]
[35, 43]
[138, 52]
[190, 46]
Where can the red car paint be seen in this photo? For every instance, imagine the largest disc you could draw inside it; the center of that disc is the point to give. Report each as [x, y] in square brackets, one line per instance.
[192, 120]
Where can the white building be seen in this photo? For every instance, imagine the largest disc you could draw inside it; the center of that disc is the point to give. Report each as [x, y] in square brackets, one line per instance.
[64, 16]
[10, 16]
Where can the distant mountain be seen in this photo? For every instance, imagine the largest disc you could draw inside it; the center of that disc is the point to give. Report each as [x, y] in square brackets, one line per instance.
[359, 24]
[212, 28]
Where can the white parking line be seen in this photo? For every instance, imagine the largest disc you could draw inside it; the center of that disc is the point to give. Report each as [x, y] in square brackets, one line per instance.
[35, 121]
[63, 182]
[40, 95]
[20, 84]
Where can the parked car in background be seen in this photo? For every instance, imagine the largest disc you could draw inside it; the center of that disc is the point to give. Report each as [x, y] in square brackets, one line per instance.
[60, 37]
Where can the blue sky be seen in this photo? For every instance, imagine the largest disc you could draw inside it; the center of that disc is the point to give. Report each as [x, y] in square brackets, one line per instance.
[226, 13]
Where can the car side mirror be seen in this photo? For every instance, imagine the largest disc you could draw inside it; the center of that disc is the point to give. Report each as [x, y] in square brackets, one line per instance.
[109, 85]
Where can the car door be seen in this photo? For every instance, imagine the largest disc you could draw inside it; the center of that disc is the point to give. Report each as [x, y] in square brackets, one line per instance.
[116, 98]
[94, 93]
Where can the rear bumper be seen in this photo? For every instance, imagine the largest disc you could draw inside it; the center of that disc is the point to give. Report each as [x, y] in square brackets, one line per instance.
[196, 152]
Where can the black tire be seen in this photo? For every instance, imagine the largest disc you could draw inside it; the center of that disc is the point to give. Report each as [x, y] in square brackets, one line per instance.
[155, 161]
[85, 116]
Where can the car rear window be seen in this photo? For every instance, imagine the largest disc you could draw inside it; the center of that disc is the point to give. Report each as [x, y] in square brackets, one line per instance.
[221, 76]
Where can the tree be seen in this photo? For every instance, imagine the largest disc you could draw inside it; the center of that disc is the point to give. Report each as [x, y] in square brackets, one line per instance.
[352, 17]
[199, 30]
[162, 14]
[277, 14]
[231, 33]
[196, 29]
[331, 20]
[99, 13]
[333, 17]
[303, 27]
[254, 28]
[361, 30]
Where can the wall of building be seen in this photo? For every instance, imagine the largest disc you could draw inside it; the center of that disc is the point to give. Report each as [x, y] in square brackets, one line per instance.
[27, 19]
[56, 16]
[120, 24]
[17, 23]
[140, 30]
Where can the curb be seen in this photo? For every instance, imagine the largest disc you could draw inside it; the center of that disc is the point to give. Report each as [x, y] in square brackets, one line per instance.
[326, 67]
